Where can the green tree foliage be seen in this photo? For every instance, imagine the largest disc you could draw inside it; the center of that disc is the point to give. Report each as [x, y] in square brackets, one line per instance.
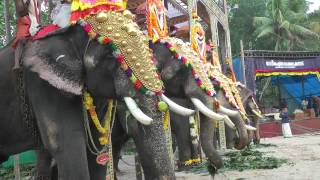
[273, 24]
[314, 25]
[241, 28]
[283, 24]
[45, 19]
[12, 19]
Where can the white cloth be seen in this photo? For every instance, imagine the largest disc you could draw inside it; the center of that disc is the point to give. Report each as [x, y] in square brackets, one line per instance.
[286, 130]
[34, 14]
[61, 15]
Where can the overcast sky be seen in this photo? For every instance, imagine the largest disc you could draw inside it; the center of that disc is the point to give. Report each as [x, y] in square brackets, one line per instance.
[315, 5]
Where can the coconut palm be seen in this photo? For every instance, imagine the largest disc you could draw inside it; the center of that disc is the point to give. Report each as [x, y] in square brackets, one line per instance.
[282, 24]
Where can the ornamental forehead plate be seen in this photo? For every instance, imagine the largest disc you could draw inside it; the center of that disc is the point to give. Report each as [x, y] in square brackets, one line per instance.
[121, 29]
[185, 50]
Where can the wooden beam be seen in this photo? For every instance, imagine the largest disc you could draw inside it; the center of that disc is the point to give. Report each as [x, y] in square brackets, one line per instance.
[178, 19]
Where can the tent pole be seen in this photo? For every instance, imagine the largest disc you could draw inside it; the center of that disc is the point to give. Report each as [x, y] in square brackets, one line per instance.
[302, 84]
[242, 63]
[279, 89]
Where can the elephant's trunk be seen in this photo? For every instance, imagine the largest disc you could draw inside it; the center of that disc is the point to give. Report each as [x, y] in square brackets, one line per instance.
[241, 140]
[207, 137]
[151, 142]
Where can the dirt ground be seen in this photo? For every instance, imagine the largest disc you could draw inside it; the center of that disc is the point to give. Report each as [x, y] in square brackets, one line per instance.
[302, 152]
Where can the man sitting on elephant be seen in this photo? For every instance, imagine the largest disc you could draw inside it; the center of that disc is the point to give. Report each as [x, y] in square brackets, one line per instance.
[28, 24]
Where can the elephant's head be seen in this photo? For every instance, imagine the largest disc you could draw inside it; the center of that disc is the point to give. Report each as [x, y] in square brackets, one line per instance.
[229, 98]
[73, 62]
[183, 80]
[252, 109]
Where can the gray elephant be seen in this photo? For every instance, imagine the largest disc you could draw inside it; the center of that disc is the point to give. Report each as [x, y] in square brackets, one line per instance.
[54, 81]
[176, 76]
[252, 110]
[180, 83]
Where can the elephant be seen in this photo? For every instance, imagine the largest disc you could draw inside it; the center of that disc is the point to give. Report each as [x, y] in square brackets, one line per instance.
[180, 84]
[252, 110]
[56, 70]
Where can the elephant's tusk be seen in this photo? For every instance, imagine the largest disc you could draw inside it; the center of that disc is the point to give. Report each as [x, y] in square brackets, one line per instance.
[250, 128]
[206, 111]
[257, 113]
[228, 122]
[176, 107]
[136, 111]
[227, 111]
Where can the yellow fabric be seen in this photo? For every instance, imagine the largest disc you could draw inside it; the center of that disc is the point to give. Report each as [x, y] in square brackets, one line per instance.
[198, 30]
[166, 120]
[289, 73]
[154, 9]
[88, 4]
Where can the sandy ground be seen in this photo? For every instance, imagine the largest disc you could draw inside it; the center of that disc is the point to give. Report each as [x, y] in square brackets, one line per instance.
[303, 153]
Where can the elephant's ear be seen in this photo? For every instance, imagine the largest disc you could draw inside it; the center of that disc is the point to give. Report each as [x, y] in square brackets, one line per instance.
[245, 94]
[56, 62]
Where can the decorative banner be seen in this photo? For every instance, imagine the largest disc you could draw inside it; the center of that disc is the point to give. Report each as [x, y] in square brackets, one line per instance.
[215, 57]
[279, 65]
[198, 40]
[197, 34]
[156, 19]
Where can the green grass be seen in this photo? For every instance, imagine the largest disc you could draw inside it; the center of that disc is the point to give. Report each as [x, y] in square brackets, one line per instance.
[8, 174]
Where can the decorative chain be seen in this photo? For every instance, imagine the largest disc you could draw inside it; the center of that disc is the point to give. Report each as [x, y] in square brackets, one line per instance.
[25, 109]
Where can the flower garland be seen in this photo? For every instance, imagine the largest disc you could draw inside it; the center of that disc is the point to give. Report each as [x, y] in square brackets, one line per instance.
[192, 162]
[188, 64]
[116, 52]
[105, 129]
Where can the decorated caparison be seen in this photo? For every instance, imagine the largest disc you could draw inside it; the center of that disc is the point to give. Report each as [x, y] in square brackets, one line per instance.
[227, 86]
[118, 30]
[191, 60]
[109, 23]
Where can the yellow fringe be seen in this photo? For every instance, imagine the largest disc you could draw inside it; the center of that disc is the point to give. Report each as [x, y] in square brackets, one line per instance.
[166, 120]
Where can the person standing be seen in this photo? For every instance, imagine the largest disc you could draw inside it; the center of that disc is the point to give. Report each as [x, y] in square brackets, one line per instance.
[286, 129]
[316, 105]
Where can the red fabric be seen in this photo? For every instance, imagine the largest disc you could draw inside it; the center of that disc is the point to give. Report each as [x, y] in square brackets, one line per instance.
[44, 31]
[272, 129]
[23, 26]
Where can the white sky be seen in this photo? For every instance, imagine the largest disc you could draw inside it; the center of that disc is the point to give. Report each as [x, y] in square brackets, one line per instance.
[315, 5]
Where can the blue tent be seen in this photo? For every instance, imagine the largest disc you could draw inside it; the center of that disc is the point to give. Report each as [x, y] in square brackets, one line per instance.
[295, 88]
[237, 69]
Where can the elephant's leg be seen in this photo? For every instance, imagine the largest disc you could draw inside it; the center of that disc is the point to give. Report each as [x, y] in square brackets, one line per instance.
[181, 128]
[61, 128]
[230, 136]
[256, 139]
[43, 166]
[119, 138]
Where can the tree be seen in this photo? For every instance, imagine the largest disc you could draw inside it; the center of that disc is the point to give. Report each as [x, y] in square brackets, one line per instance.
[241, 26]
[7, 21]
[283, 24]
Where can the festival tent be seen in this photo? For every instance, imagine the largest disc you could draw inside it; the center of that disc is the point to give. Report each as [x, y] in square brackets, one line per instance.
[296, 73]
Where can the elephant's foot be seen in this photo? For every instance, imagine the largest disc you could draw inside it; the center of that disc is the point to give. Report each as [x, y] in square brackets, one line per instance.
[256, 141]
